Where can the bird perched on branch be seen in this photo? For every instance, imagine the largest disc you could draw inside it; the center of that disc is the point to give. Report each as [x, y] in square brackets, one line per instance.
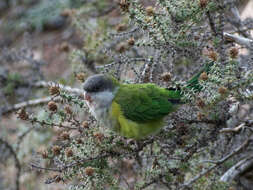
[133, 110]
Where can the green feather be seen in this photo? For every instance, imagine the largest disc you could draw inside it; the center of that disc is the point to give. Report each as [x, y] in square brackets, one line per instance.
[146, 102]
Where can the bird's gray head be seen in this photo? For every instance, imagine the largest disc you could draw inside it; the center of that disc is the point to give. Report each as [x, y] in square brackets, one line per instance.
[99, 83]
[100, 89]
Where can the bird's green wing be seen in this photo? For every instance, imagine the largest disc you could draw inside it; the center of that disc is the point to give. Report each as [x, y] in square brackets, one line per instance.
[146, 102]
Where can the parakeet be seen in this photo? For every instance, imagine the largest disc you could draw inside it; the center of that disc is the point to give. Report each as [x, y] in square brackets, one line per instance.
[132, 110]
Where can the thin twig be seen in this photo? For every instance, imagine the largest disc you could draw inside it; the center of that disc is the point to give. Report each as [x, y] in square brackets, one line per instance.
[73, 164]
[235, 130]
[237, 169]
[239, 40]
[45, 84]
[236, 21]
[125, 33]
[43, 122]
[16, 160]
[21, 137]
[217, 163]
[207, 121]
[39, 101]
[211, 23]
[29, 103]
[154, 180]
[43, 168]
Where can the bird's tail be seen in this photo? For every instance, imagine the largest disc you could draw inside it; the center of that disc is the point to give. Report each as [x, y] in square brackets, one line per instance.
[193, 83]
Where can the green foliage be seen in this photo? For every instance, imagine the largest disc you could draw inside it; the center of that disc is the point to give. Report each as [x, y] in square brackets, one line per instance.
[167, 37]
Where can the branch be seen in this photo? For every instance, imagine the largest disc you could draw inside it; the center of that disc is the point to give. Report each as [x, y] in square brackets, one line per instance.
[217, 163]
[38, 101]
[146, 72]
[33, 166]
[211, 23]
[239, 40]
[237, 169]
[246, 125]
[21, 137]
[29, 103]
[45, 84]
[16, 160]
[75, 163]
[60, 125]
[235, 20]
[207, 121]
[235, 130]
[155, 180]
[125, 33]
[81, 161]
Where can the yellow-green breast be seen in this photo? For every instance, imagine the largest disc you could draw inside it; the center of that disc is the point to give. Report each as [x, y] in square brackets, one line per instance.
[129, 128]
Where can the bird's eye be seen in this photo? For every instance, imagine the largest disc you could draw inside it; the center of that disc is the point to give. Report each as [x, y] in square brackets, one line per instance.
[96, 88]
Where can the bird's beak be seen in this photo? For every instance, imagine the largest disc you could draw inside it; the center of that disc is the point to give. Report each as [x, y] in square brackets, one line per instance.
[87, 97]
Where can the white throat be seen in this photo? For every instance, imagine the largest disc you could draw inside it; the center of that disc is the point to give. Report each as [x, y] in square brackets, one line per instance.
[100, 104]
